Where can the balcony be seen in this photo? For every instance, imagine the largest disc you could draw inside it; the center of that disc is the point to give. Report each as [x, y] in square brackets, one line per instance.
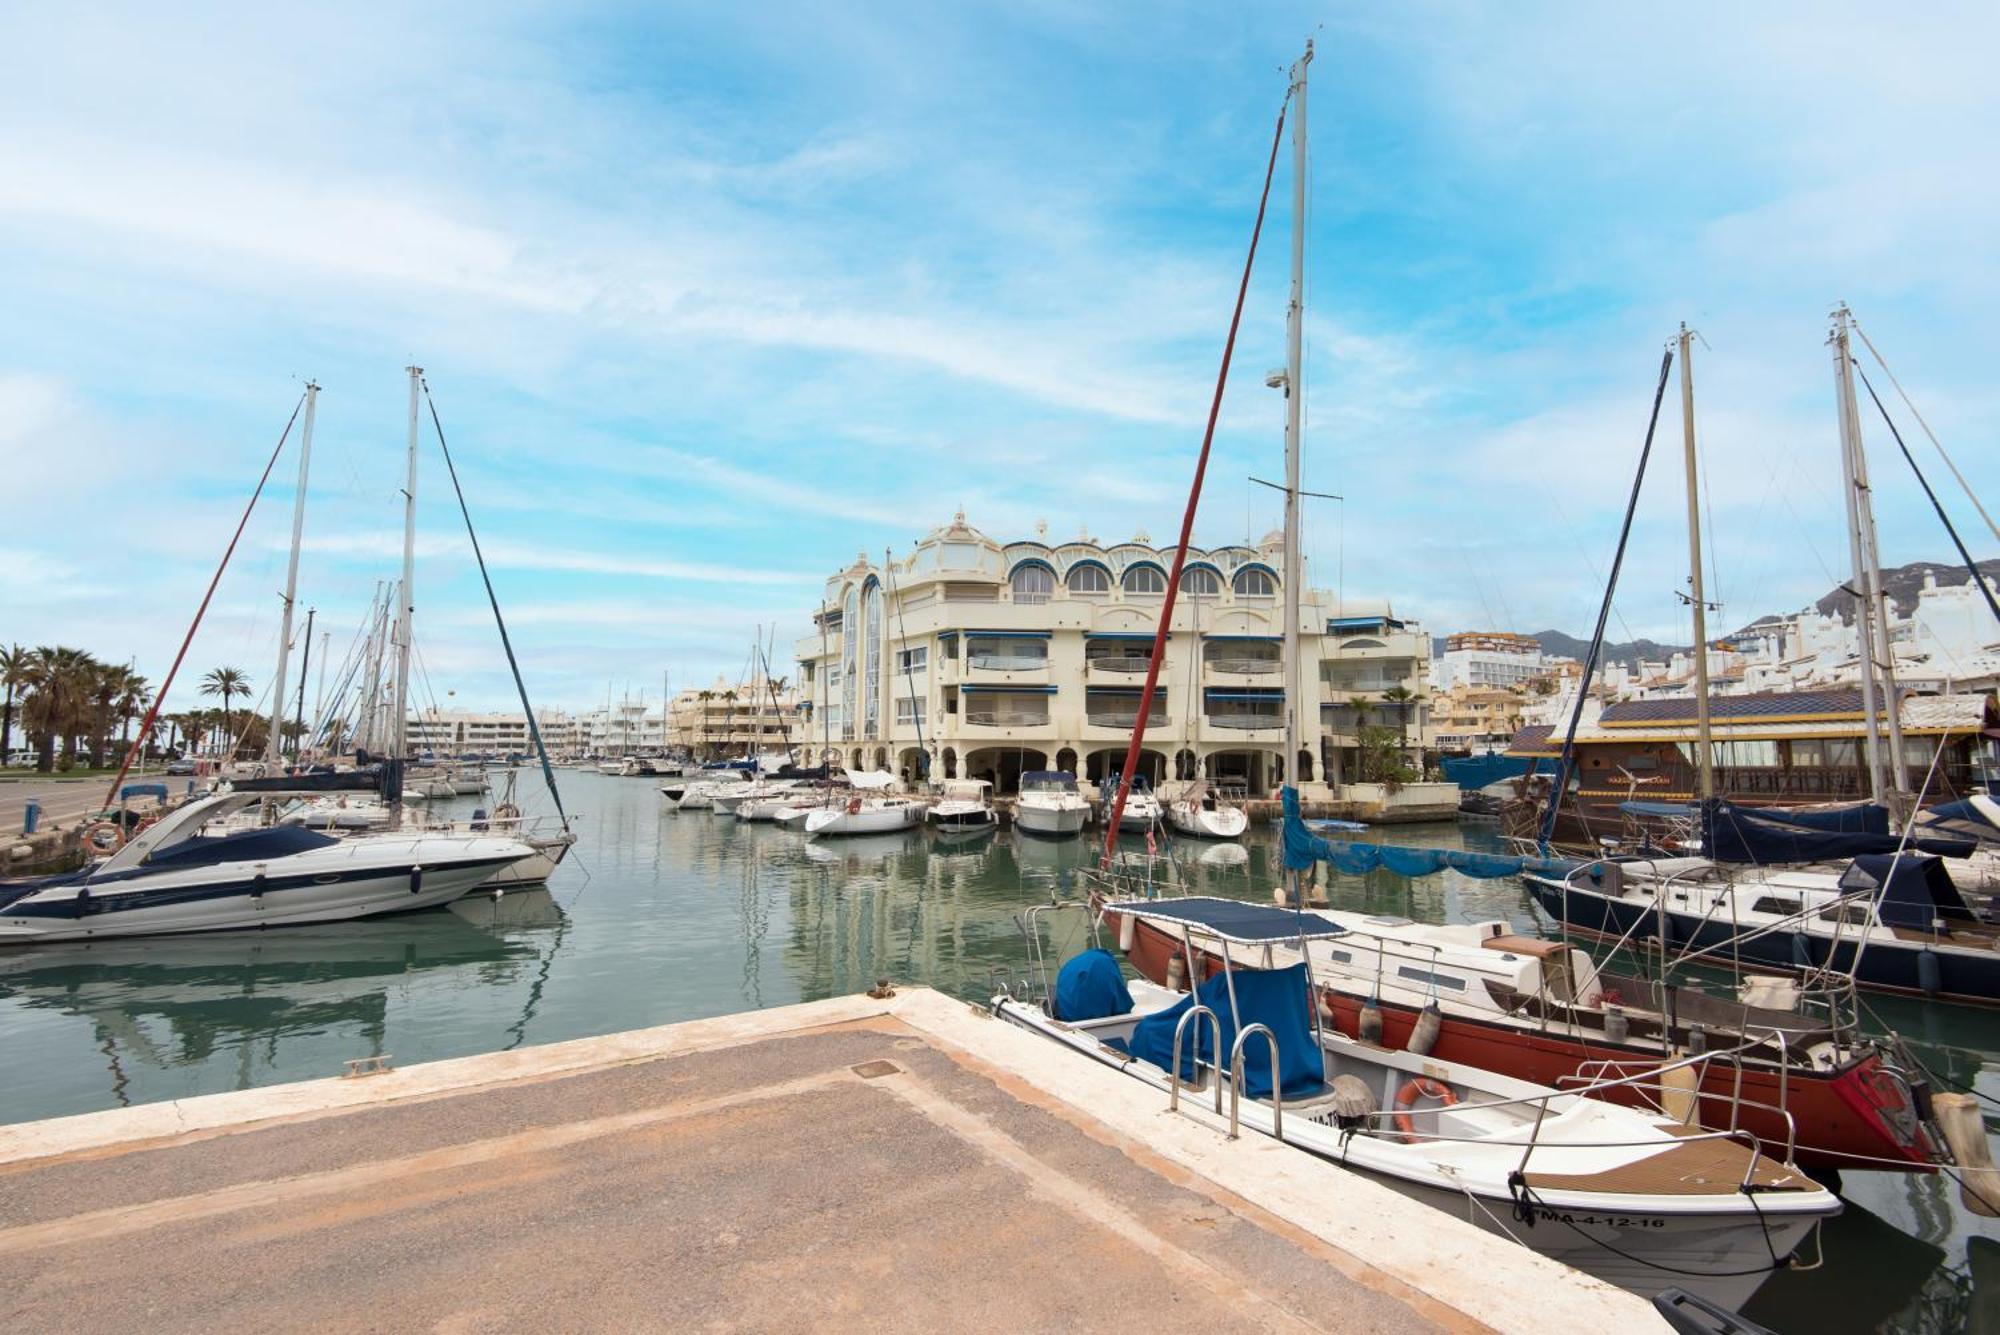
[1259, 721]
[1007, 662]
[1244, 668]
[1116, 667]
[990, 717]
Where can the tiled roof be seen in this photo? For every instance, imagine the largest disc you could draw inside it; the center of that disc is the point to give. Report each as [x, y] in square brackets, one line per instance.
[1771, 705]
[1535, 740]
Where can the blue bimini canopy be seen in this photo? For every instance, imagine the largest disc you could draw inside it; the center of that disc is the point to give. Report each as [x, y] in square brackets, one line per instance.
[1303, 848]
[1974, 818]
[1092, 987]
[1232, 919]
[1913, 889]
[1278, 998]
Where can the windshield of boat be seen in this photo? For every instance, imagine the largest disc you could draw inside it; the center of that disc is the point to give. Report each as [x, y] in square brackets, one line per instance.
[1048, 781]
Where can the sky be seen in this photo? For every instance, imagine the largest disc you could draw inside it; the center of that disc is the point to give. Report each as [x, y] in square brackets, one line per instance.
[710, 299]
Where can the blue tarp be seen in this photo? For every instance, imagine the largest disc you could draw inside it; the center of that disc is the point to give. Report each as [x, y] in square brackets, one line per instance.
[1470, 772]
[1914, 889]
[1092, 987]
[1277, 998]
[1766, 835]
[1303, 848]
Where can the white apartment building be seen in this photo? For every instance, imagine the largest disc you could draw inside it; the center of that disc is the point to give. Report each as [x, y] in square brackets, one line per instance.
[1486, 659]
[973, 658]
[731, 719]
[464, 732]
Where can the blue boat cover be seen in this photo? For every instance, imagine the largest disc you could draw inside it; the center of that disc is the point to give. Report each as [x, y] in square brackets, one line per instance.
[1232, 919]
[1913, 890]
[1763, 835]
[1962, 819]
[1669, 809]
[1091, 986]
[1277, 998]
[276, 841]
[1303, 848]
[1477, 771]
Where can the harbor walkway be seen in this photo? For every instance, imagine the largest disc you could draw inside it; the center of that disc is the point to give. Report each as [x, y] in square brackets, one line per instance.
[899, 1164]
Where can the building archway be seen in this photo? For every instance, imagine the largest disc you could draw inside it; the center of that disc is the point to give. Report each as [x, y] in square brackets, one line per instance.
[1066, 760]
[950, 763]
[881, 757]
[1003, 766]
[855, 762]
[1099, 765]
[913, 765]
[1243, 769]
[1305, 765]
[1185, 764]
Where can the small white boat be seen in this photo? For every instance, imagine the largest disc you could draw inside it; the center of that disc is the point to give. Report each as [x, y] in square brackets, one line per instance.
[1050, 804]
[1142, 811]
[768, 799]
[699, 795]
[962, 808]
[1200, 814]
[865, 815]
[1632, 1197]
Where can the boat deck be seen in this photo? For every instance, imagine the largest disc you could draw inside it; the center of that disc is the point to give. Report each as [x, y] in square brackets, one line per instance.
[1710, 1167]
[899, 1164]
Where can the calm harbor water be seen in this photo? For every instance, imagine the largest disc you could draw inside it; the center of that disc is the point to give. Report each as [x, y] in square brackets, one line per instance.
[659, 917]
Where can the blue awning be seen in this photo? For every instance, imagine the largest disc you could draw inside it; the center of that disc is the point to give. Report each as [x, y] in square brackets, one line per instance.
[1145, 635]
[1008, 690]
[1246, 639]
[1269, 694]
[1011, 634]
[1357, 621]
[1121, 690]
[947, 635]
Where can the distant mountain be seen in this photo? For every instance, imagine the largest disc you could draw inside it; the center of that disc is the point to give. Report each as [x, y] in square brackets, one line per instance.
[1902, 583]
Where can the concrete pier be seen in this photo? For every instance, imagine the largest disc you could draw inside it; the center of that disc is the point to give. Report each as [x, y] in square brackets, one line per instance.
[906, 1163]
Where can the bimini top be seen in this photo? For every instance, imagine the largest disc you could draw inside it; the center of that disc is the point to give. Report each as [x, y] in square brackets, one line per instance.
[1234, 920]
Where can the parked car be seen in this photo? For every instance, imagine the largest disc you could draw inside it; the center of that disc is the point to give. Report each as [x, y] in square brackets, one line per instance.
[180, 767]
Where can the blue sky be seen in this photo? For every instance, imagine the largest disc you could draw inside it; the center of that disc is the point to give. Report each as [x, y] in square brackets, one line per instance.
[711, 299]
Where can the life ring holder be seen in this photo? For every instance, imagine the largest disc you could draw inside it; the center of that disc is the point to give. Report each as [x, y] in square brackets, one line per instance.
[1422, 1087]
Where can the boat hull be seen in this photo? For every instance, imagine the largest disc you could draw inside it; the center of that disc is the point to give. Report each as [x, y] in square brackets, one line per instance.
[1859, 1115]
[1886, 963]
[1227, 823]
[869, 820]
[1050, 821]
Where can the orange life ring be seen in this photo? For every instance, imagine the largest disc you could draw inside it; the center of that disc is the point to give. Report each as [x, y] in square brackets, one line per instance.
[1406, 1098]
[111, 827]
[854, 806]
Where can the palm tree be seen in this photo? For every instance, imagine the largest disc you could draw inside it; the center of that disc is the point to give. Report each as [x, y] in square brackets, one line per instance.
[133, 697]
[704, 697]
[13, 673]
[1402, 697]
[226, 682]
[59, 682]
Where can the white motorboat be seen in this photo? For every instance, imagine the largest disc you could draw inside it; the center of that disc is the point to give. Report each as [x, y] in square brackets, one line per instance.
[1142, 811]
[962, 808]
[865, 815]
[1200, 814]
[1050, 804]
[173, 876]
[699, 794]
[766, 798]
[550, 846]
[1630, 1196]
[468, 783]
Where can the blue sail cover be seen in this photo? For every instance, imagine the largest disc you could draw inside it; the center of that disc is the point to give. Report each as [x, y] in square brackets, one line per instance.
[1091, 986]
[1912, 890]
[1303, 848]
[1964, 819]
[1763, 835]
[1276, 998]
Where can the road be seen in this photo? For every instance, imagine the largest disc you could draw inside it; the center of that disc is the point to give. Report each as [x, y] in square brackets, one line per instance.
[64, 801]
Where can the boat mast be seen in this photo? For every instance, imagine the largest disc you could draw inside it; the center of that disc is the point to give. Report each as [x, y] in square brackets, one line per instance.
[405, 600]
[1294, 358]
[1871, 609]
[273, 745]
[371, 700]
[1704, 746]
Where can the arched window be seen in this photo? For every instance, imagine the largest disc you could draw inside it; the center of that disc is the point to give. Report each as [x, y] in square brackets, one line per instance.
[1145, 579]
[871, 647]
[850, 648]
[1201, 582]
[1255, 582]
[1032, 583]
[1089, 579]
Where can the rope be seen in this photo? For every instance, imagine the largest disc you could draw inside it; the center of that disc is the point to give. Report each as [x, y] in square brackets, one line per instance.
[1525, 1205]
[159, 697]
[1967, 486]
[1971, 566]
[513, 665]
[1194, 499]
[1604, 612]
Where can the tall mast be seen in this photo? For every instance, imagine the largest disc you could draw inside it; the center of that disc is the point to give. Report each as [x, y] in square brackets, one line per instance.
[405, 600]
[273, 747]
[1870, 610]
[305, 668]
[371, 701]
[825, 690]
[1704, 747]
[1294, 392]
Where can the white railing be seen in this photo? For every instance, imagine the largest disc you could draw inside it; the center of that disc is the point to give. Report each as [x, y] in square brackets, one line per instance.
[1100, 719]
[996, 662]
[1245, 667]
[1005, 718]
[1119, 663]
[1247, 722]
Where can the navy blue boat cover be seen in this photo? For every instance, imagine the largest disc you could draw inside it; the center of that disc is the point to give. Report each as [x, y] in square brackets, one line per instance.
[1277, 998]
[1091, 986]
[1732, 833]
[1914, 890]
[275, 841]
[1303, 848]
[1232, 919]
[1964, 819]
